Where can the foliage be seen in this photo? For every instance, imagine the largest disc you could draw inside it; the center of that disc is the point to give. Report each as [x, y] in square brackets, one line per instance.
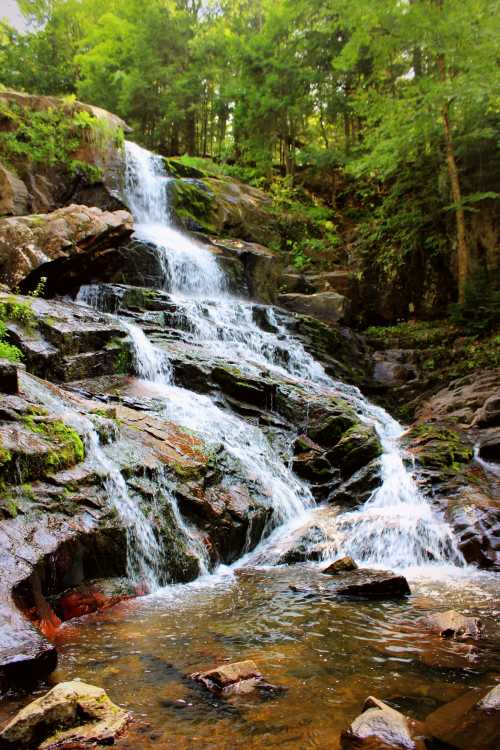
[51, 136]
[401, 96]
[480, 311]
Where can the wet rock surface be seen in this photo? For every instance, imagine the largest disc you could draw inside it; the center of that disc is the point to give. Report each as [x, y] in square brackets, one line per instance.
[455, 444]
[29, 242]
[361, 583]
[452, 624]
[380, 727]
[72, 712]
[472, 722]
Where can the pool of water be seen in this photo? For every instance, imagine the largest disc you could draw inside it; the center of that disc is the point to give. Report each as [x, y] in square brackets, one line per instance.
[329, 654]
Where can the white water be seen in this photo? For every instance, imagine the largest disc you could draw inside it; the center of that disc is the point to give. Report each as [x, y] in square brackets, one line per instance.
[396, 527]
[143, 548]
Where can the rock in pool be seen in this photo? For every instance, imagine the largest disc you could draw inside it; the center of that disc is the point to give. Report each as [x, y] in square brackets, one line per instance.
[380, 727]
[72, 712]
[238, 677]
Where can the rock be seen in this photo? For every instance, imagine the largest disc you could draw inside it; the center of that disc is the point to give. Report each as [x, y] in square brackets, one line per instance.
[49, 186]
[14, 199]
[463, 401]
[222, 206]
[61, 341]
[358, 488]
[239, 677]
[8, 377]
[489, 413]
[28, 242]
[394, 366]
[261, 267]
[357, 447]
[471, 722]
[474, 515]
[70, 712]
[452, 624]
[340, 281]
[372, 584]
[380, 727]
[329, 307]
[227, 674]
[361, 583]
[341, 565]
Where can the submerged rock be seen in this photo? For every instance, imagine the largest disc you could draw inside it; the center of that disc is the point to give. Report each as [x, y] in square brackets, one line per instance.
[380, 727]
[471, 722]
[452, 624]
[70, 712]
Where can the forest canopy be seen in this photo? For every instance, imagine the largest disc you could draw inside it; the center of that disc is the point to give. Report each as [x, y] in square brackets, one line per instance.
[384, 89]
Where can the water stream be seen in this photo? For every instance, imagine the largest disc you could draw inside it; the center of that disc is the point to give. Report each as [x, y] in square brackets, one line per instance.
[396, 527]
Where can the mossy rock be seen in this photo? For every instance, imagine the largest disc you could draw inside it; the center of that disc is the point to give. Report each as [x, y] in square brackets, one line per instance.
[437, 447]
[192, 204]
[37, 447]
[357, 447]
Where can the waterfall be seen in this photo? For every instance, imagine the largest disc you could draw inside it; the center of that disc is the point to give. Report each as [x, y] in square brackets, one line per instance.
[396, 526]
[143, 548]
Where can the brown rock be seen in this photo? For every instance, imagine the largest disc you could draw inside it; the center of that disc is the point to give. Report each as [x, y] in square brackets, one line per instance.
[14, 199]
[373, 584]
[340, 566]
[471, 722]
[452, 624]
[70, 712]
[224, 679]
[27, 242]
[329, 307]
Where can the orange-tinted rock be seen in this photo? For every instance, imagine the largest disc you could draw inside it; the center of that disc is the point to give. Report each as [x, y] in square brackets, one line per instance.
[341, 565]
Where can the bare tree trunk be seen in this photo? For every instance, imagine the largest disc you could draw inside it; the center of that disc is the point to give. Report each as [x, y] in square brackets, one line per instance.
[456, 192]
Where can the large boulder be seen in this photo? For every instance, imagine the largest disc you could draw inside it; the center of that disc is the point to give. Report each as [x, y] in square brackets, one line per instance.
[216, 205]
[86, 165]
[14, 199]
[72, 712]
[28, 242]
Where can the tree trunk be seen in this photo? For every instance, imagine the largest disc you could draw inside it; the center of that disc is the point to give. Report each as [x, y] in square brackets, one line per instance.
[463, 256]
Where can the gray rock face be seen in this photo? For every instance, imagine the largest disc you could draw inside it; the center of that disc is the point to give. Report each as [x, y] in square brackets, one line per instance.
[380, 727]
[14, 198]
[72, 712]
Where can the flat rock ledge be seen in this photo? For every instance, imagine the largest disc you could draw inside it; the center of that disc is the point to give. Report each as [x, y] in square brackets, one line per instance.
[72, 712]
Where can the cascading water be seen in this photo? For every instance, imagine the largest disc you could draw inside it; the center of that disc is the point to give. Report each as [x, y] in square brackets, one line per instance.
[143, 548]
[396, 527]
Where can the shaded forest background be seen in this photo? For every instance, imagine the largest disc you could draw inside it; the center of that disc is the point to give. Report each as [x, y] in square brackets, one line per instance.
[376, 121]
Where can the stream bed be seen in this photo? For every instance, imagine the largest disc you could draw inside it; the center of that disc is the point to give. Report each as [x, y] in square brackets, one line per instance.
[330, 655]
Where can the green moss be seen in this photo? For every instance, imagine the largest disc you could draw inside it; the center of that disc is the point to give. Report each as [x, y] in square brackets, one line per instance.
[70, 448]
[192, 202]
[50, 137]
[18, 310]
[440, 447]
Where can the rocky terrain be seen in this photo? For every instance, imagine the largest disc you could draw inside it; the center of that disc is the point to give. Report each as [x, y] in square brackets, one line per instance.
[83, 437]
